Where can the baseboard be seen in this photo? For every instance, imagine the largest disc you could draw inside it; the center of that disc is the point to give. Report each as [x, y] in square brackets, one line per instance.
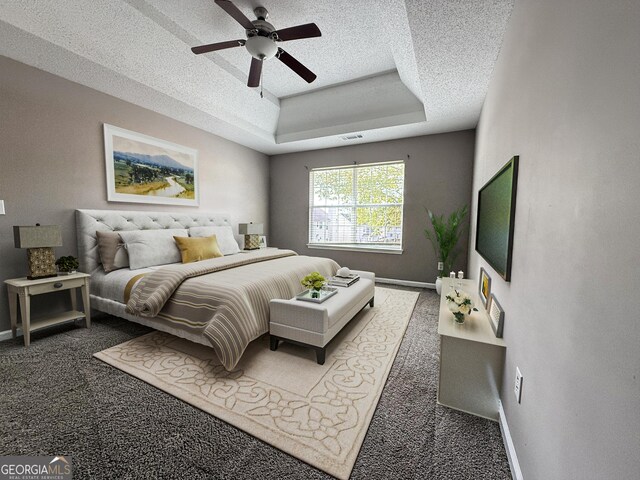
[514, 465]
[6, 335]
[406, 283]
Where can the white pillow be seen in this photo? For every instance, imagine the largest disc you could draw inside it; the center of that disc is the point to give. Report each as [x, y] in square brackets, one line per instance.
[224, 235]
[148, 248]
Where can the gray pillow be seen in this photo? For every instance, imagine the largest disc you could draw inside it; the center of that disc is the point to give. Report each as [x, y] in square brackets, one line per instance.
[113, 255]
[224, 235]
[148, 248]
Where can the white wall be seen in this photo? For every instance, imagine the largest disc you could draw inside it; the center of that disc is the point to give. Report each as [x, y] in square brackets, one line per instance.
[565, 96]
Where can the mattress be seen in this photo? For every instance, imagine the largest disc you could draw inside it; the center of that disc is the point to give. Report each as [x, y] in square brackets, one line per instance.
[112, 285]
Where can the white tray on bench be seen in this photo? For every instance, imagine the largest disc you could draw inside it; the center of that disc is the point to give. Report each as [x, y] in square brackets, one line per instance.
[325, 293]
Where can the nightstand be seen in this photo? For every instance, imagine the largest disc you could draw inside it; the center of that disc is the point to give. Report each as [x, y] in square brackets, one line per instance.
[23, 289]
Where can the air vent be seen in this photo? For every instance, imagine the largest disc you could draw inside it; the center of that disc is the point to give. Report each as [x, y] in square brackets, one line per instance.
[355, 136]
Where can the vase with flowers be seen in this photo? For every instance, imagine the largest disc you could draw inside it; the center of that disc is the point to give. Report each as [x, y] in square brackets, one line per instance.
[314, 282]
[460, 304]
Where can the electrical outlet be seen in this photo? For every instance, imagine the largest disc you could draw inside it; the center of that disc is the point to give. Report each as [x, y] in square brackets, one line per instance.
[517, 388]
[440, 266]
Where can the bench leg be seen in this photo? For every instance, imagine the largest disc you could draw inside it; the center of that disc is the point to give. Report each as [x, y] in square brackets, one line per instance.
[371, 302]
[274, 341]
[320, 354]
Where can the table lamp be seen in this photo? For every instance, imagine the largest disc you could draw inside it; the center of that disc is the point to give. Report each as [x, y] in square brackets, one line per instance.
[39, 242]
[251, 232]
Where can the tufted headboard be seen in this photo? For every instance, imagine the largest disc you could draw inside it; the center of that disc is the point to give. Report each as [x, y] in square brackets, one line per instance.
[90, 221]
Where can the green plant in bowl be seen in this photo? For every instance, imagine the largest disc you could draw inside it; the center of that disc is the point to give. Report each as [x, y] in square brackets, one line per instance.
[68, 264]
[314, 282]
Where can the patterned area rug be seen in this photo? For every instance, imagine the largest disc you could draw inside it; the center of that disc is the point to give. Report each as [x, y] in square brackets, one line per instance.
[317, 413]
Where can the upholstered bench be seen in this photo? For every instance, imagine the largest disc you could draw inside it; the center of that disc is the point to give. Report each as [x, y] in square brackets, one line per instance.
[315, 324]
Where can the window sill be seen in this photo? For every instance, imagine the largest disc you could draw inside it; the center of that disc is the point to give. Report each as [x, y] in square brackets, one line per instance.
[367, 249]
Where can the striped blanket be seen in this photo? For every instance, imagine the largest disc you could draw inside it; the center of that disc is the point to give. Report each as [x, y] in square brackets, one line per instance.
[224, 299]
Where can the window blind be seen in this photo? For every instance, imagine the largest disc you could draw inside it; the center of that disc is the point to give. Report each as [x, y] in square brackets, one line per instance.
[357, 205]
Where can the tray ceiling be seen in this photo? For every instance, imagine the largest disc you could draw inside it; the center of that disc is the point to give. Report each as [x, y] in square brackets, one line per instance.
[439, 53]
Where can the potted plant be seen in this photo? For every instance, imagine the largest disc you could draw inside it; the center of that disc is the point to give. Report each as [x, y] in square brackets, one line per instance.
[67, 265]
[444, 237]
[314, 282]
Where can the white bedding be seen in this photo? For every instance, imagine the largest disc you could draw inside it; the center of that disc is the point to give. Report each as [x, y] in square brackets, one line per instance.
[107, 291]
[112, 285]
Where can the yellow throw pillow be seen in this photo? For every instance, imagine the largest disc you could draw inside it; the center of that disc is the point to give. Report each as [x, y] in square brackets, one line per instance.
[196, 249]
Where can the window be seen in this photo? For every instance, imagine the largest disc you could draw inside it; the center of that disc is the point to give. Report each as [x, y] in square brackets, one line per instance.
[357, 207]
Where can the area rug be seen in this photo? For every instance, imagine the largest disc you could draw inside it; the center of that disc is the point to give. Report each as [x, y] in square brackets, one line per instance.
[317, 413]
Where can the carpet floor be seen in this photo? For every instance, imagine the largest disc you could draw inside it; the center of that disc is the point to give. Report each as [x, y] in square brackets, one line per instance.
[57, 399]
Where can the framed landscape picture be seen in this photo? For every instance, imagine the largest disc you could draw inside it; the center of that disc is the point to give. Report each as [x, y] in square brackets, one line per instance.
[484, 287]
[144, 169]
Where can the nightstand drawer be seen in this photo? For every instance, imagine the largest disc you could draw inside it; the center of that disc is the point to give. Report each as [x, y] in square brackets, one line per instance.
[54, 286]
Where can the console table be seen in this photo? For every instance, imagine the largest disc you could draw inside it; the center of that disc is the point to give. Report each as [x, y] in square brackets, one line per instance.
[471, 358]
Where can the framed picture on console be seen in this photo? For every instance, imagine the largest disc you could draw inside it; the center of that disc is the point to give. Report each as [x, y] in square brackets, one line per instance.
[484, 288]
[496, 316]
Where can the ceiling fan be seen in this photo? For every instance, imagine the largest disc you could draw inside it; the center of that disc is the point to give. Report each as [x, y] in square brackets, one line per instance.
[261, 42]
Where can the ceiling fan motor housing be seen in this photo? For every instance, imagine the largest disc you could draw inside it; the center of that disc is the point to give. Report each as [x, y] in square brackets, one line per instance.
[260, 43]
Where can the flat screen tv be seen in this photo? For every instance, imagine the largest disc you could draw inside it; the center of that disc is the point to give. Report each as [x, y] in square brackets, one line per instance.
[496, 216]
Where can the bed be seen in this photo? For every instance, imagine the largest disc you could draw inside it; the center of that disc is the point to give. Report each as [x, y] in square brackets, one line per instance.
[221, 302]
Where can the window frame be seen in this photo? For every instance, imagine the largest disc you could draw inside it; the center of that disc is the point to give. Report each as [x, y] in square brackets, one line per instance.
[357, 247]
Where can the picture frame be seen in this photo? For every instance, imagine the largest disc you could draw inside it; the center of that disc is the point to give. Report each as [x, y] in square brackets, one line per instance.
[496, 317]
[262, 241]
[145, 169]
[484, 288]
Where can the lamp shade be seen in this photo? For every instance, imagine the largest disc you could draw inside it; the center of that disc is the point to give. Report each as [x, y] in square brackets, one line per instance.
[37, 236]
[250, 229]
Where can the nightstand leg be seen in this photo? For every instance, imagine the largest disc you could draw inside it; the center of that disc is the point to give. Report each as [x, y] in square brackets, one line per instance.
[25, 311]
[85, 302]
[13, 314]
[74, 298]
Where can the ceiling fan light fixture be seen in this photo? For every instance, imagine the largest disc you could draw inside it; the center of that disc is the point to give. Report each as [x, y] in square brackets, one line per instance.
[261, 47]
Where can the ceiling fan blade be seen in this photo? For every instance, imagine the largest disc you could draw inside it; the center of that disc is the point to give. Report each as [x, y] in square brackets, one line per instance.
[307, 30]
[296, 66]
[239, 17]
[212, 47]
[254, 72]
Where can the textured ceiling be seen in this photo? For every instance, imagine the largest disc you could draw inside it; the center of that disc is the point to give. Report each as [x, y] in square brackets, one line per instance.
[138, 50]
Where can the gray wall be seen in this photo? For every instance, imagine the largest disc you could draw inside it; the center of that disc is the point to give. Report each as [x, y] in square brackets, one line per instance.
[565, 96]
[438, 176]
[52, 161]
